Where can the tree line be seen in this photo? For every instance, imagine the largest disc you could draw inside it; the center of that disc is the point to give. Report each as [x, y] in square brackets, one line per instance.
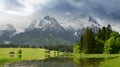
[67, 48]
[104, 41]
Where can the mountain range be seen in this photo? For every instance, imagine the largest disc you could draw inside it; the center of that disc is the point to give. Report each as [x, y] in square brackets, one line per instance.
[48, 31]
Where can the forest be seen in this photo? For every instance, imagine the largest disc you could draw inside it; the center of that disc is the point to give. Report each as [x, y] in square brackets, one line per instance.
[105, 41]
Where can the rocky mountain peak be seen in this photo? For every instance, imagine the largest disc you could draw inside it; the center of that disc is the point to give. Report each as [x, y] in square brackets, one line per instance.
[93, 21]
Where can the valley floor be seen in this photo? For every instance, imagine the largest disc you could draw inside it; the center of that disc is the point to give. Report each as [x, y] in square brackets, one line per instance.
[27, 54]
[40, 54]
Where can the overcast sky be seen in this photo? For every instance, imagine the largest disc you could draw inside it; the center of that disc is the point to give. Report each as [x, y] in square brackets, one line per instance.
[22, 12]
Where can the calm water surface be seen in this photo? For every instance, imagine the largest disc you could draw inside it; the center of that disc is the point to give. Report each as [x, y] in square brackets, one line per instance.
[56, 62]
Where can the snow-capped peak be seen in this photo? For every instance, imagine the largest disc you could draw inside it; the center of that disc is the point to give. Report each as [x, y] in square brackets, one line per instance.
[80, 23]
[46, 23]
[72, 24]
[49, 23]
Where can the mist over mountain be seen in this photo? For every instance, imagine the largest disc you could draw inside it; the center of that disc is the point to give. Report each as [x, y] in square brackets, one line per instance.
[6, 31]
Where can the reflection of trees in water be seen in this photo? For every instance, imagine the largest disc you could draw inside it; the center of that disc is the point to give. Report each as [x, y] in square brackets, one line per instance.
[88, 62]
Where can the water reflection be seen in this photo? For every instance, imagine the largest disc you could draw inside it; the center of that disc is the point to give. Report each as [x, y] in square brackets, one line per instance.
[53, 62]
[89, 62]
[57, 62]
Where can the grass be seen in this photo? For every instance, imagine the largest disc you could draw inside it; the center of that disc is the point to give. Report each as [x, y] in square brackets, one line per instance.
[96, 55]
[27, 54]
[107, 63]
[110, 63]
[39, 54]
[4, 60]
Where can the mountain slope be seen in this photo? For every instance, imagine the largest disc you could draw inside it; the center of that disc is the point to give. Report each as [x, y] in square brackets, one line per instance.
[6, 31]
[47, 31]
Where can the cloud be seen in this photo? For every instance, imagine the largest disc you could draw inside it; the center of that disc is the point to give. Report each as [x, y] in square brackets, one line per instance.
[13, 5]
[101, 8]
[18, 12]
[14, 12]
[98, 8]
[36, 1]
[16, 7]
[104, 10]
[68, 13]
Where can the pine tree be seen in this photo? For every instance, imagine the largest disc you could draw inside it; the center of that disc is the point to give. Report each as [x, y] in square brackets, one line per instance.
[91, 46]
[102, 35]
[88, 41]
[85, 41]
[108, 32]
[81, 43]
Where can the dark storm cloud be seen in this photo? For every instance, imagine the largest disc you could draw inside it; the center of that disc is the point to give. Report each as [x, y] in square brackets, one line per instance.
[104, 8]
[101, 8]
[62, 6]
[13, 5]
[108, 9]
[56, 7]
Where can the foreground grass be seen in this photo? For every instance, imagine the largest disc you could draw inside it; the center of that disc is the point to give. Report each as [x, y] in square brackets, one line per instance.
[77, 58]
[110, 63]
[27, 54]
[96, 55]
[4, 60]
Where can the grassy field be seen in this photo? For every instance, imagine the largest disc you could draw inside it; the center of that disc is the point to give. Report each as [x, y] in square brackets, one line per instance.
[111, 60]
[97, 55]
[27, 54]
[110, 63]
[39, 54]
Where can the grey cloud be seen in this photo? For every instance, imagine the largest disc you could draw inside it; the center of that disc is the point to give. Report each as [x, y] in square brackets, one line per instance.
[102, 8]
[107, 9]
[13, 5]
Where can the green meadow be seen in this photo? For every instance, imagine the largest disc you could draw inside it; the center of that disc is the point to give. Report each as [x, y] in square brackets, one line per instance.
[110, 63]
[40, 54]
[27, 54]
[80, 55]
[109, 60]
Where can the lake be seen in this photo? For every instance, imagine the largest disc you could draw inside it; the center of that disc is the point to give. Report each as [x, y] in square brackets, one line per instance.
[56, 62]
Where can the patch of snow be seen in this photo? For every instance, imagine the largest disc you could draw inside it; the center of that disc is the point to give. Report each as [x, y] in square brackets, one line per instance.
[76, 34]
